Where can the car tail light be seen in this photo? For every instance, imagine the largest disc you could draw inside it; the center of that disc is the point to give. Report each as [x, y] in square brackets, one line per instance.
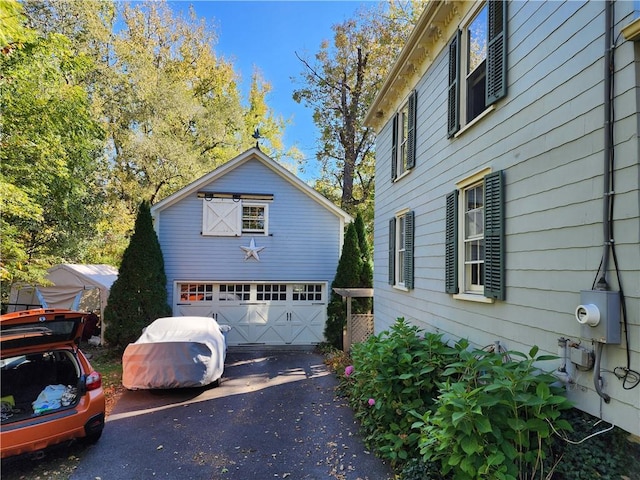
[93, 381]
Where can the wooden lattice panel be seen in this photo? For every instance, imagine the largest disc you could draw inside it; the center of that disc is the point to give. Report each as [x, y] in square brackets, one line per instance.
[361, 327]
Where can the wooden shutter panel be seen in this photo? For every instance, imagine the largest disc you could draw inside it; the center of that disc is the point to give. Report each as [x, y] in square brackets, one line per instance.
[494, 262]
[392, 251]
[453, 122]
[451, 243]
[411, 134]
[408, 249]
[394, 148]
[221, 217]
[496, 86]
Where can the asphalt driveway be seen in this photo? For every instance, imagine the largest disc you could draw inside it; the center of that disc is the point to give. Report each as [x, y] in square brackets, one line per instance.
[275, 415]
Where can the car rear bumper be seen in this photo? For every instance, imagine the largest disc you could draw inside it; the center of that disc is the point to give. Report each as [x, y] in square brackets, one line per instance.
[40, 432]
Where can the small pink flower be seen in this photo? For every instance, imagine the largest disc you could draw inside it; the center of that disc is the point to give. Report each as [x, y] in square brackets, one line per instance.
[348, 371]
[372, 402]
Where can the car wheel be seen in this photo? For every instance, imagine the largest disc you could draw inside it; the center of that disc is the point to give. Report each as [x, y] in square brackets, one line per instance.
[92, 438]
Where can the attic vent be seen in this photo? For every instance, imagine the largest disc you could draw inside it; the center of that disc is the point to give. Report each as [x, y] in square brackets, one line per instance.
[236, 196]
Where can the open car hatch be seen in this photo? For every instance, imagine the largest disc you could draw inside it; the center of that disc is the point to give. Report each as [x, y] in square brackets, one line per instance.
[36, 328]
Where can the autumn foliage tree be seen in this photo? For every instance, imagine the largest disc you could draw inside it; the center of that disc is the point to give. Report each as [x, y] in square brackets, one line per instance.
[139, 295]
[339, 84]
[50, 195]
[169, 106]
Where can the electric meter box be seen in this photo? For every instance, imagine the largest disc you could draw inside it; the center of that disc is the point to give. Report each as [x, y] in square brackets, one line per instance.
[599, 315]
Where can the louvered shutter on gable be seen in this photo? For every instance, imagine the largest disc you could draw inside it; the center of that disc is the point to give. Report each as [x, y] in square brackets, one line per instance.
[392, 251]
[408, 249]
[221, 217]
[494, 262]
[451, 243]
[496, 86]
[453, 120]
[411, 134]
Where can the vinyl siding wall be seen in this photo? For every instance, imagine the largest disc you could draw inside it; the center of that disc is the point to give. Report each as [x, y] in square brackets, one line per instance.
[547, 136]
[303, 242]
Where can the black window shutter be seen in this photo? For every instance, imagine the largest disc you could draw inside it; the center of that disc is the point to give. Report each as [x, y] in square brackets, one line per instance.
[408, 249]
[494, 261]
[394, 148]
[453, 122]
[451, 243]
[392, 251]
[411, 134]
[496, 51]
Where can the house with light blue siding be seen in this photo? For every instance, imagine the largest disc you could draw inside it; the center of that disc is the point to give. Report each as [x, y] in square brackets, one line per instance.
[507, 188]
[254, 247]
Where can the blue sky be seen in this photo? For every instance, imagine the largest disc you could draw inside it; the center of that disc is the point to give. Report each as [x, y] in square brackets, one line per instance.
[267, 35]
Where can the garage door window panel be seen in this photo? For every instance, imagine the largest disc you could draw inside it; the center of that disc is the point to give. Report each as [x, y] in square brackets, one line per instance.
[235, 292]
[271, 292]
[307, 292]
[196, 292]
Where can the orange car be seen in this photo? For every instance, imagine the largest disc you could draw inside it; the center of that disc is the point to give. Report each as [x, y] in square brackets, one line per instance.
[50, 393]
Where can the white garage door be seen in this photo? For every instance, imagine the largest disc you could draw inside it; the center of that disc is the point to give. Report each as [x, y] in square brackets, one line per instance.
[268, 313]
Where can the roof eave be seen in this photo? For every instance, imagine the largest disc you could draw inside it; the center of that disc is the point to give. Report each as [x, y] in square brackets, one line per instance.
[430, 35]
[234, 163]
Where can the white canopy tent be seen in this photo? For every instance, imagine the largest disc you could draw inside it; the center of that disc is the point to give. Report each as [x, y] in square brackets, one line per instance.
[73, 286]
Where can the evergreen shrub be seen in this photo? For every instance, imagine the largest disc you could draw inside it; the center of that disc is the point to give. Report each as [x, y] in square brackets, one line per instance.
[139, 294]
[347, 275]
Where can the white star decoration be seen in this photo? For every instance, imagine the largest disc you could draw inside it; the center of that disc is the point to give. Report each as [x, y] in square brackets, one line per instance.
[252, 250]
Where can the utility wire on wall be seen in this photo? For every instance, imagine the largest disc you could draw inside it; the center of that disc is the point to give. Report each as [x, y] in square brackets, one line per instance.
[630, 378]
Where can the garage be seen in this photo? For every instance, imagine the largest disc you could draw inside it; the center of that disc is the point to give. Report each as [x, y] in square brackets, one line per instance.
[263, 313]
[254, 247]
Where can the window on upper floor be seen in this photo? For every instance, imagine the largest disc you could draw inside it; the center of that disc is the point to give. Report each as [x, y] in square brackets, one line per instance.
[403, 150]
[226, 217]
[474, 238]
[477, 64]
[254, 218]
[401, 228]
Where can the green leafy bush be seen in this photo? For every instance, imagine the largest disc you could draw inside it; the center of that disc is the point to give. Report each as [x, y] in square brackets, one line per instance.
[395, 373]
[492, 417]
[417, 469]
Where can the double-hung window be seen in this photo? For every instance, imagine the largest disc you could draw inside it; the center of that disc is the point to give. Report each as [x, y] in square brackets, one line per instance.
[401, 233]
[403, 149]
[254, 218]
[474, 238]
[477, 64]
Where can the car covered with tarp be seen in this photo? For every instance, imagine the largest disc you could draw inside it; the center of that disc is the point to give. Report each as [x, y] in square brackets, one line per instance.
[176, 352]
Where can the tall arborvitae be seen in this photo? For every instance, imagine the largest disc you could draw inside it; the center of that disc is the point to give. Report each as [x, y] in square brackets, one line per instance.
[363, 305]
[347, 276]
[139, 295]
